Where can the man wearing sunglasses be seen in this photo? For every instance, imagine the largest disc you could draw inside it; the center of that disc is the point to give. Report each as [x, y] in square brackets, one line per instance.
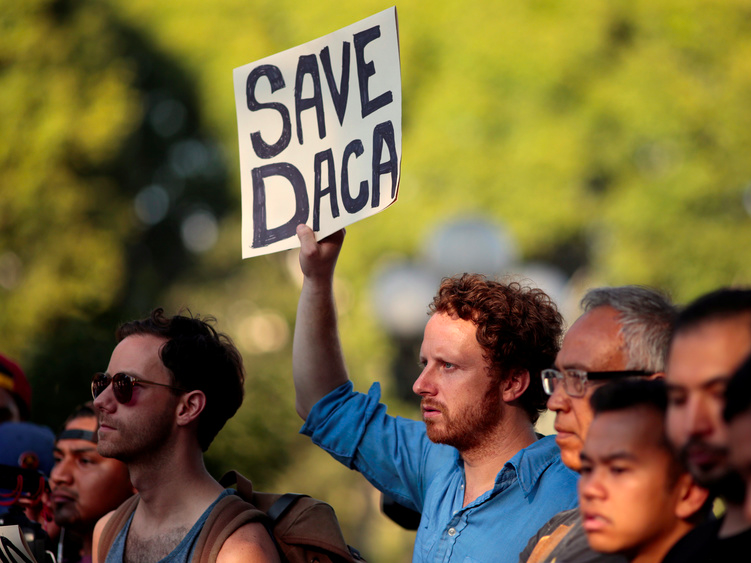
[623, 333]
[171, 384]
[473, 467]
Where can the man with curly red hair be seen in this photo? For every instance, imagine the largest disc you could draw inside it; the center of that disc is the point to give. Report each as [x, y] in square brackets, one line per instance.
[474, 468]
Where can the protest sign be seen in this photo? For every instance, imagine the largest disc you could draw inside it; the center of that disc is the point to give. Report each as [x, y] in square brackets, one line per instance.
[320, 134]
[13, 546]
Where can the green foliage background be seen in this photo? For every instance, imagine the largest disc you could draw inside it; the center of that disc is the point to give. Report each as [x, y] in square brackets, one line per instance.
[611, 138]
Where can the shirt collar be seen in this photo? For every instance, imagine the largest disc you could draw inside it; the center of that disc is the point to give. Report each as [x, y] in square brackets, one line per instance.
[528, 464]
[531, 462]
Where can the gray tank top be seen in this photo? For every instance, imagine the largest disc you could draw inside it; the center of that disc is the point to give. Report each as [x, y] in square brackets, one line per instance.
[183, 553]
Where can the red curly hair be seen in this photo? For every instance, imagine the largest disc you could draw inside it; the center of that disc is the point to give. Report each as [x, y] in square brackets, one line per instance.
[518, 327]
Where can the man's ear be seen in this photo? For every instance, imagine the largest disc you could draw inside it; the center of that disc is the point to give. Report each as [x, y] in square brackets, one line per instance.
[515, 384]
[692, 497]
[190, 406]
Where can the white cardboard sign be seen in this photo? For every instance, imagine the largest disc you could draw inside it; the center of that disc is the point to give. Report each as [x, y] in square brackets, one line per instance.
[320, 134]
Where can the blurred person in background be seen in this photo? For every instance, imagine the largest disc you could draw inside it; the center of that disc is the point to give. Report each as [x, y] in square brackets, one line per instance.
[737, 415]
[712, 338]
[85, 485]
[15, 392]
[25, 463]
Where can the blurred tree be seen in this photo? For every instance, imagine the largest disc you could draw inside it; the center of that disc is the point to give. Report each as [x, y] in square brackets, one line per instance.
[111, 186]
[68, 103]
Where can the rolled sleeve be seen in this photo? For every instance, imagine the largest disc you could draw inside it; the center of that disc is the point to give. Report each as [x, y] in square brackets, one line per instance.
[393, 453]
[338, 421]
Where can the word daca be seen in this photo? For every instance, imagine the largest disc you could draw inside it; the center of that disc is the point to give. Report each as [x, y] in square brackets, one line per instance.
[383, 134]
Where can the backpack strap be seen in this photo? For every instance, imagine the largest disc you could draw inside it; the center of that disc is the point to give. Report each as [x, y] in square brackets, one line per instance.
[226, 517]
[234, 479]
[115, 524]
[281, 506]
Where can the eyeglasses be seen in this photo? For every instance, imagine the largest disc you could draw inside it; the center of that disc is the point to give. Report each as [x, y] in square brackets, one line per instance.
[575, 380]
[122, 385]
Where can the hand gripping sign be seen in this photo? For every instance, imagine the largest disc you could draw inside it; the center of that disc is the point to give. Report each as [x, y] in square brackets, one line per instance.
[320, 134]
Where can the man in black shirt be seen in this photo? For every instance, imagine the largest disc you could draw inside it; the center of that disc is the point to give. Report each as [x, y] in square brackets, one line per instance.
[712, 338]
[738, 417]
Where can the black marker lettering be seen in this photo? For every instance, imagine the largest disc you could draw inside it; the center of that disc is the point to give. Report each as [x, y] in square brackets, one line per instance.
[338, 95]
[353, 205]
[307, 64]
[262, 235]
[328, 157]
[367, 69]
[274, 75]
[384, 133]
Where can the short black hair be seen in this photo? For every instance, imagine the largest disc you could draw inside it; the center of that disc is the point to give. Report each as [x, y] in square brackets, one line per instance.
[723, 303]
[629, 393]
[738, 392]
[85, 410]
[652, 393]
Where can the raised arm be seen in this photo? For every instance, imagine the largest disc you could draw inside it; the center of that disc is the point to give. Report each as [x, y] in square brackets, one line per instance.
[317, 360]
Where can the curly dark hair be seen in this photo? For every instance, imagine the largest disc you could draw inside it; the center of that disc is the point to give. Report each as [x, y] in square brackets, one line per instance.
[518, 327]
[198, 357]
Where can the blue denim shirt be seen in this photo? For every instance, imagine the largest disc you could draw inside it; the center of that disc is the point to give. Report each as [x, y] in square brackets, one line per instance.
[397, 457]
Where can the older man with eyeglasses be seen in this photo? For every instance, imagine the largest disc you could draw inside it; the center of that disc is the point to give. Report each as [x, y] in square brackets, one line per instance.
[624, 332]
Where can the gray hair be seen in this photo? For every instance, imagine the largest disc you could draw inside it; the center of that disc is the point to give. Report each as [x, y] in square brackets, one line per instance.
[646, 316]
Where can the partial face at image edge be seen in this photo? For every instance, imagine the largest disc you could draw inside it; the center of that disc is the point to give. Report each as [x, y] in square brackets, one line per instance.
[701, 361]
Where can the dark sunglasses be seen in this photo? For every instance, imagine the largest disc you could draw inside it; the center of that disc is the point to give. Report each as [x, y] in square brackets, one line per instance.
[122, 385]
